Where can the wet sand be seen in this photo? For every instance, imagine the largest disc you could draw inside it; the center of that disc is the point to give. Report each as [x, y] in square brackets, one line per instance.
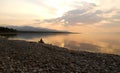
[30, 57]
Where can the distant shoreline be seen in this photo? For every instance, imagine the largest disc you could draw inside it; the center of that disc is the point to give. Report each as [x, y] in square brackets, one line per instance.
[25, 32]
[6, 30]
[31, 32]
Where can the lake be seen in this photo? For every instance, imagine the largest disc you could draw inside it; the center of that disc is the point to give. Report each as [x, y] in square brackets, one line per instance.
[92, 42]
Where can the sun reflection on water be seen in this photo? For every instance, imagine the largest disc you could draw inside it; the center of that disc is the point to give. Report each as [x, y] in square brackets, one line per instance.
[102, 43]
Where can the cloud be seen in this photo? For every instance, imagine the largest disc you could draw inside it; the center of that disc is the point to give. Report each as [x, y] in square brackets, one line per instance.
[81, 17]
[108, 4]
[85, 14]
[84, 17]
[113, 17]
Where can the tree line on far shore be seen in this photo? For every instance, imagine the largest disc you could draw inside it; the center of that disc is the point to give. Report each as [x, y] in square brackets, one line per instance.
[5, 29]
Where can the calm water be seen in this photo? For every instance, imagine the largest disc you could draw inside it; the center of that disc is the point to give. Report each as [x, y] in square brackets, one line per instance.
[104, 43]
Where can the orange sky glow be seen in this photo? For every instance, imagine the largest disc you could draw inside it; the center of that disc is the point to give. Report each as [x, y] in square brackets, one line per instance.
[70, 15]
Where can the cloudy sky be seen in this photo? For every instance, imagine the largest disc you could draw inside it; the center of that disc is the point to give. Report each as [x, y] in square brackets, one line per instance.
[70, 15]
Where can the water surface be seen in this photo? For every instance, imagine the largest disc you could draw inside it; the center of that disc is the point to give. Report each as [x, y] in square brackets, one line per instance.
[100, 43]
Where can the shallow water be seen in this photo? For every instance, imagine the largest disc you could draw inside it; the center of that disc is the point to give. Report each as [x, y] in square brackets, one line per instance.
[103, 43]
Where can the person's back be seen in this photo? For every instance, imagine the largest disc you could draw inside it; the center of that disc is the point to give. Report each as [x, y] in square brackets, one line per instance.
[41, 41]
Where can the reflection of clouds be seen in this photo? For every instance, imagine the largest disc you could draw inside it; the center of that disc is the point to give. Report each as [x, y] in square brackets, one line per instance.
[91, 43]
[82, 46]
[112, 42]
[91, 47]
[113, 46]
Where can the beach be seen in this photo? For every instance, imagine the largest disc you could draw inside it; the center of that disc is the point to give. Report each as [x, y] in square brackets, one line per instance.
[19, 56]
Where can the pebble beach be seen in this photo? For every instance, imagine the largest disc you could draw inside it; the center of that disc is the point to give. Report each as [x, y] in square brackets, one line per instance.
[19, 56]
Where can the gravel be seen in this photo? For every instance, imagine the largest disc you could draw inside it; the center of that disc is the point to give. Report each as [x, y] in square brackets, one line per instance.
[31, 57]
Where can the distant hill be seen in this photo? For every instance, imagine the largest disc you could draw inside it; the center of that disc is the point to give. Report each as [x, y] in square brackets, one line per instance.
[34, 29]
[6, 30]
[29, 28]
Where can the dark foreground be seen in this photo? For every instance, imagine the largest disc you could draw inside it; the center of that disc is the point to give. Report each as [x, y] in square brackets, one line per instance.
[30, 57]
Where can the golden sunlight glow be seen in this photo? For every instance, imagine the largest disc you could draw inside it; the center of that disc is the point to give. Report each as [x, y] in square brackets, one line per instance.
[88, 0]
[26, 12]
[97, 21]
[59, 6]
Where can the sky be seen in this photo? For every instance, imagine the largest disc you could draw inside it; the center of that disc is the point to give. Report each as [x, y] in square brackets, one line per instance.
[69, 15]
